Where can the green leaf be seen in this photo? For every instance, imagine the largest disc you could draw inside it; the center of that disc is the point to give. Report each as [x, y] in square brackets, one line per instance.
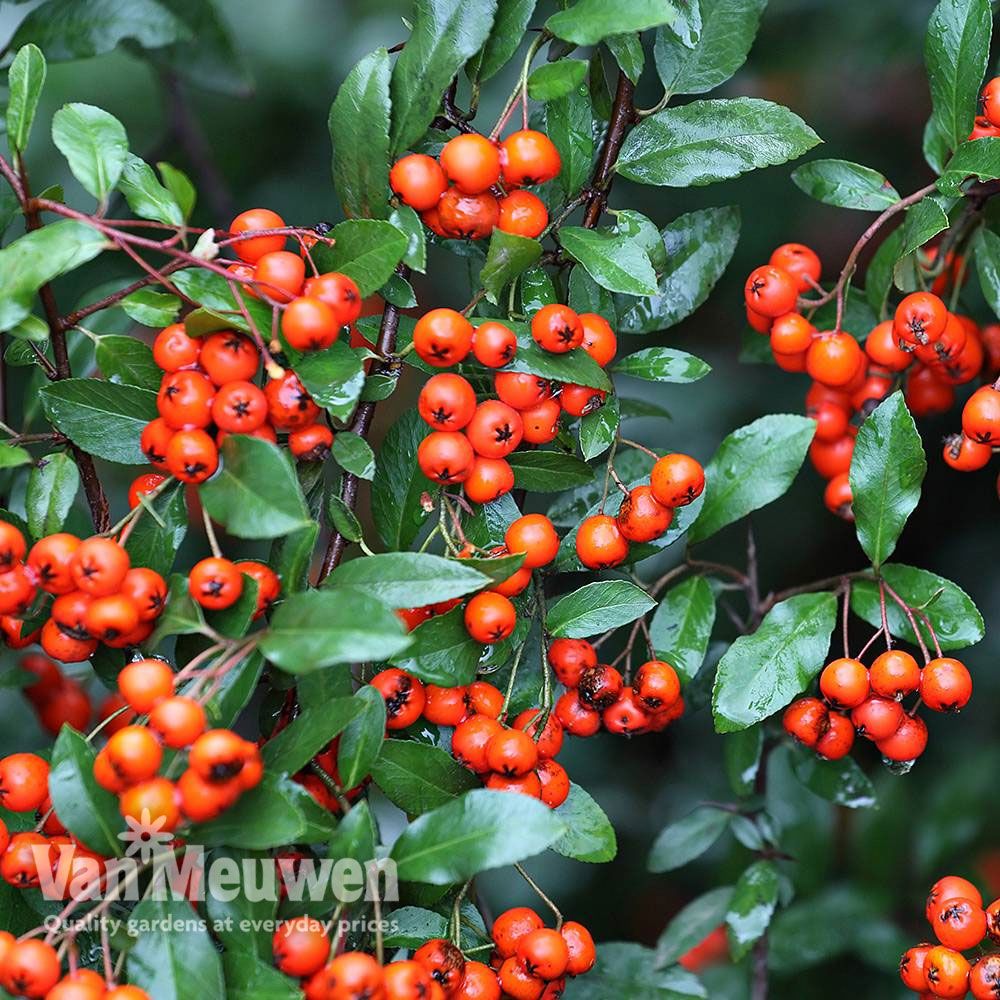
[479, 831]
[840, 781]
[751, 908]
[598, 428]
[151, 308]
[32, 328]
[956, 52]
[175, 959]
[845, 185]
[699, 246]
[361, 740]
[923, 222]
[414, 926]
[228, 916]
[37, 257]
[569, 124]
[442, 653]
[129, 361]
[987, 247]
[624, 969]
[629, 53]
[354, 454]
[13, 456]
[344, 519]
[256, 493]
[179, 185]
[597, 607]
[408, 579]
[398, 483]
[359, 129]
[145, 195]
[728, 28]
[682, 625]
[887, 469]
[556, 79]
[316, 629]
[588, 22]
[103, 418]
[445, 34]
[589, 834]
[508, 256]
[878, 277]
[615, 262]
[366, 250]
[548, 471]
[743, 751]
[248, 977]
[707, 141]
[417, 777]
[408, 222]
[95, 146]
[87, 810]
[761, 673]
[753, 466]
[213, 292]
[334, 378]
[687, 839]
[52, 488]
[25, 79]
[181, 616]
[275, 813]
[663, 364]
[65, 31]
[509, 27]
[978, 158]
[154, 541]
[955, 619]
[308, 733]
[577, 367]
[586, 295]
[693, 924]
[355, 836]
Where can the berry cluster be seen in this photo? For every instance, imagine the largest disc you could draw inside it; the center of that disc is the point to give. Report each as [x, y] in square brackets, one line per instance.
[471, 440]
[935, 348]
[98, 595]
[596, 693]
[645, 513]
[873, 696]
[529, 962]
[31, 968]
[988, 123]
[960, 923]
[216, 583]
[459, 195]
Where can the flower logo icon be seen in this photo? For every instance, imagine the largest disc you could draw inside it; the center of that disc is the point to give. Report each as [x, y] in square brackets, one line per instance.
[145, 836]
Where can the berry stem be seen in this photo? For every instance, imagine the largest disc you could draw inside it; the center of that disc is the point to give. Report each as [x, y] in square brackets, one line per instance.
[210, 534]
[541, 895]
[512, 680]
[912, 620]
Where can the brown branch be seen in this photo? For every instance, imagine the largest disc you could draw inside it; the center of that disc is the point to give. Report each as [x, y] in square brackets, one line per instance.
[361, 424]
[622, 119]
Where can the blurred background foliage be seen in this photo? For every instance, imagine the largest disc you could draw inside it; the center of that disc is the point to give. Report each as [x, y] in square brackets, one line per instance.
[242, 106]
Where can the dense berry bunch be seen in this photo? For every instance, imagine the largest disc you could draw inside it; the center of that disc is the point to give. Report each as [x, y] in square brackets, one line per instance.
[597, 694]
[75, 594]
[868, 700]
[477, 185]
[924, 347]
[960, 923]
[645, 513]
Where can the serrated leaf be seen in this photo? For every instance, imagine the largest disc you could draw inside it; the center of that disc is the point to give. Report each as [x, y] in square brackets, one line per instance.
[615, 262]
[887, 470]
[127, 360]
[25, 80]
[95, 146]
[569, 124]
[753, 466]
[845, 185]
[52, 488]
[761, 673]
[587, 22]
[978, 158]
[366, 250]
[923, 222]
[589, 834]
[597, 607]
[145, 195]
[417, 777]
[707, 141]
[682, 625]
[988, 266]
[548, 471]
[398, 483]
[179, 185]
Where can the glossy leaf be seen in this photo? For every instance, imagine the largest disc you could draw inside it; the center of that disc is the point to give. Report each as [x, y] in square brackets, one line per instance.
[682, 625]
[762, 672]
[691, 925]
[923, 222]
[598, 429]
[103, 418]
[577, 367]
[548, 471]
[256, 493]
[955, 619]
[354, 454]
[589, 21]
[443, 652]
[25, 80]
[52, 488]
[398, 483]
[755, 898]
[840, 781]
[361, 740]
[728, 28]
[887, 470]
[508, 30]
[556, 79]
[699, 246]
[845, 185]
[145, 195]
[179, 185]
[979, 158]
[509, 255]
[589, 834]
[753, 466]
[707, 141]
[127, 360]
[615, 262]
[334, 378]
[569, 124]
[95, 146]
[408, 222]
[988, 266]
[742, 752]
[308, 733]
[663, 364]
[316, 629]
[597, 607]
[366, 250]
[479, 831]
[417, 777]
[359, 129]
[687, 839]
